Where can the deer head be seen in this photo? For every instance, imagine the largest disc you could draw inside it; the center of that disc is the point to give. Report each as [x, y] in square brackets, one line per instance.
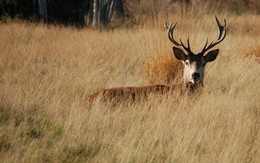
[194, 64]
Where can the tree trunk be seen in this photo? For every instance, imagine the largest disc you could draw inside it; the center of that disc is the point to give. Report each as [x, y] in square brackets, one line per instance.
[110, 11]
[43, 11]
[94, 20]
[103, 11]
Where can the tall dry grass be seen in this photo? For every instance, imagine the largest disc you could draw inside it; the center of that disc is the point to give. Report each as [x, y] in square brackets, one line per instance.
[163, 69]
[46, 71]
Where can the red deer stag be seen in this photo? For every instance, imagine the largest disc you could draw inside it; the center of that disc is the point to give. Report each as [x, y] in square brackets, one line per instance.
[194, 66]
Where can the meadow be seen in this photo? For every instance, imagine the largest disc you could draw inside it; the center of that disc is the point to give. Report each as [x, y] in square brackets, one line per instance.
[46, 71]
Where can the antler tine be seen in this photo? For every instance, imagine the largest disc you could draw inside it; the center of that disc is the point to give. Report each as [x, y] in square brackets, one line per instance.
[220, 27]
[170, 33]
[221, 36]
[188, 41]
[165, 25]
[168, 29]
[171, 37]
[186, 48]
[206, 43]
[201, 54]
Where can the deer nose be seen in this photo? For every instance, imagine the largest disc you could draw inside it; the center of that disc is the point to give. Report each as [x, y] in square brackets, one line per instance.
[195, 76]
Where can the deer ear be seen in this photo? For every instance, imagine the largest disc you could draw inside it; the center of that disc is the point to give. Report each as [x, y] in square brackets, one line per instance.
[179, 54]
[211, 56]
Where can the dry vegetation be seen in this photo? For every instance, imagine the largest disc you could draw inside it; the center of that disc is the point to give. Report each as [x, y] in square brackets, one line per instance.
[46, 71]
[253, 51]
[163, 69]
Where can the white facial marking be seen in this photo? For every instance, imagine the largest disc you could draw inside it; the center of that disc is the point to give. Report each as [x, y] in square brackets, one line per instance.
[193, 71]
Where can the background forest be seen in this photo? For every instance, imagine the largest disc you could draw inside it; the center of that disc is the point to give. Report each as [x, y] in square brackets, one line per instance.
[101, 12]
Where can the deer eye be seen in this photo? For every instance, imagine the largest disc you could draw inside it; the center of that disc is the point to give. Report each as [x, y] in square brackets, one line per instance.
[186, 63]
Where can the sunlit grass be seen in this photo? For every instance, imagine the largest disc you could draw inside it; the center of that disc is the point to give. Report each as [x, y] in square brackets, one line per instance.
[45, 72]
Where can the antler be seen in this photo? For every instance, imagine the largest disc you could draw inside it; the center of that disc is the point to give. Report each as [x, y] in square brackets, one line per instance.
[171, 37]
[221, 37]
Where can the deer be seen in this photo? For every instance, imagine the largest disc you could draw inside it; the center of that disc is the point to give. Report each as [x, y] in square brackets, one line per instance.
[193, 72]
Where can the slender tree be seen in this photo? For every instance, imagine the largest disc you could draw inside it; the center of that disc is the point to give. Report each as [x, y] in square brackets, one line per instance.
[103, 11]
[94, 19]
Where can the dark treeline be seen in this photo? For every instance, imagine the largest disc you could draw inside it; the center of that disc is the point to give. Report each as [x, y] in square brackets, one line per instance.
[68, 12]
[16, 8]
[98, 13]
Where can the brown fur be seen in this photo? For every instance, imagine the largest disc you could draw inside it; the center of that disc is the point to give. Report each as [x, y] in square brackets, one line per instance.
[132, 94]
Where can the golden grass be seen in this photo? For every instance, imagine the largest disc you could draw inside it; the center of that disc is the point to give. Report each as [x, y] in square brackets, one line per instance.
[253, 51]
[46, 71]
[163, 69]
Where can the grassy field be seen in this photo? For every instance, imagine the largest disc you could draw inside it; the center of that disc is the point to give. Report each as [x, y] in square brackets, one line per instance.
[46, 71]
